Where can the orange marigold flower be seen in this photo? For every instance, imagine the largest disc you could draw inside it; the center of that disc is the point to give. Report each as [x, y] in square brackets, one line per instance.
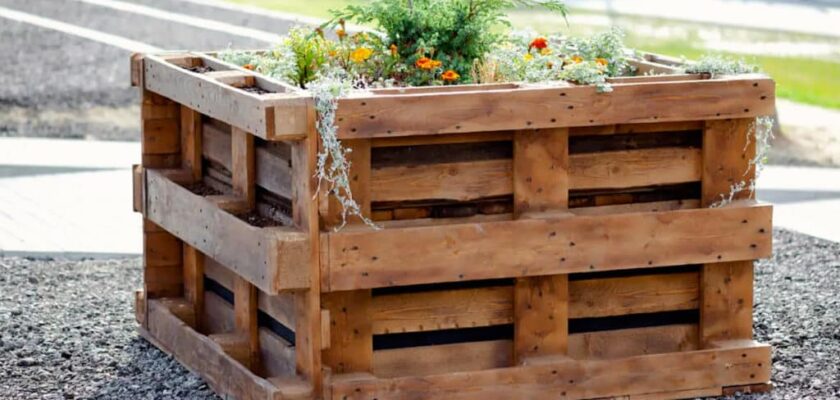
[602, 61]
[393, 50]
[248, 67]
[577, 59]
[361, 54]
[538, 43]
[427, 63]
[450, 76]
[341, 33]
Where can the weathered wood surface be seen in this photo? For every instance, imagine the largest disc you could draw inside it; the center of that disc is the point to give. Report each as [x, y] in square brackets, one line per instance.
[738, 363]
[270, 258]
[377, 115]
[557, 243]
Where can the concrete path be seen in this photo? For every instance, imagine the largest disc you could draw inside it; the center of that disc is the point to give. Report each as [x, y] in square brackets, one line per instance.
[73, 198]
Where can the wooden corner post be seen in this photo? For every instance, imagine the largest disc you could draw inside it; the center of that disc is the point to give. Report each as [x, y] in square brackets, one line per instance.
[540, 184]
[349, 347]
[726, 289]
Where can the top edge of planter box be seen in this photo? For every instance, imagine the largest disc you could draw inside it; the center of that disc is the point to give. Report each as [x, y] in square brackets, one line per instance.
[287, 112]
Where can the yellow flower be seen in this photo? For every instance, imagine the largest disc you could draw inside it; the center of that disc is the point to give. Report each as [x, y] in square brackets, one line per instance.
[577, 59]
[341, 33]
[527, 57]
[450, 76]
[602, 61]
[394, 50]
[361, 54]
[546, 51]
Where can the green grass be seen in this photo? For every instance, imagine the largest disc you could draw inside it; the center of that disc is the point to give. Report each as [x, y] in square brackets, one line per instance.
[801, 79]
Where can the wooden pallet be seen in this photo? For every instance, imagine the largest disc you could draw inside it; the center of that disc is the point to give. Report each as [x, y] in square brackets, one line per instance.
[535, 242]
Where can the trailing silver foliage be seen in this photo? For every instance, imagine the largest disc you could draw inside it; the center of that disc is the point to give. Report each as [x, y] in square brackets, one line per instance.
[762, 130]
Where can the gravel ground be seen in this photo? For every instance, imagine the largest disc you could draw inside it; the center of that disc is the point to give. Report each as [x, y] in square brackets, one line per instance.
[67, 328]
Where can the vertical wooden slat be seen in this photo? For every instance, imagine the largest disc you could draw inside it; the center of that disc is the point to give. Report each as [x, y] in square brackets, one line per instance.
[305, 216]
[351, 328]
[245, 317]
[194, 283]
[351, 332]
[243, 166]
[191, 141]
[726, 298]
[540, 182]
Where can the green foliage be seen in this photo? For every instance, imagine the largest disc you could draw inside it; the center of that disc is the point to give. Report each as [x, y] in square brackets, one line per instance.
[719, 65]
[454, 32]
[608, 46]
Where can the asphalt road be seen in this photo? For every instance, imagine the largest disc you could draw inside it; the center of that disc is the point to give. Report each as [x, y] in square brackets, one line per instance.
[54, 84]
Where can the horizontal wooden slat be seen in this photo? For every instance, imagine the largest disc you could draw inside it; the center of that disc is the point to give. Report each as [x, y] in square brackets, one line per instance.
[553, 243]
[475, 356]
[270, 258]
[479, 307]
[448, 309]
[199, 353]
[563, 377]
[374, 115]
[472, 180]
[281, 307]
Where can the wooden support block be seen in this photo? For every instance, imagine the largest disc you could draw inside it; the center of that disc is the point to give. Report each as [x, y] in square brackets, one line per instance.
[194, 283]
[243, 166]
[245, 314]
[541, 317]
[351, 332]
[726, 289]
[235, 345]
[162, 273]
[137, 188]
[191, 141]
[359, 175]
[540, 184]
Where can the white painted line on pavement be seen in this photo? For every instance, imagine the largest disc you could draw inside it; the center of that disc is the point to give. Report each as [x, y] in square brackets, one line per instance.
[185, 19]
[24, 152]
[102, 37]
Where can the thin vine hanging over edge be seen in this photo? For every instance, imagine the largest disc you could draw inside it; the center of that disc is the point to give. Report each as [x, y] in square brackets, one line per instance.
[332, 164]
[762, 129]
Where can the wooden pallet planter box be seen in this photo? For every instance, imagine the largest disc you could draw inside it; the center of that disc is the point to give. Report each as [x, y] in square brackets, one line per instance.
[534, 242]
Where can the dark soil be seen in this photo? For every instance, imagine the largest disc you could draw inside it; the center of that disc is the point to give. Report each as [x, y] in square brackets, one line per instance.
[201, 69]
[255, 90]
[202, 189]
[258, 220]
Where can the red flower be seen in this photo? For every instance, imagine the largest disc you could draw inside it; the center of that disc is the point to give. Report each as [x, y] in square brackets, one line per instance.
[538, 43]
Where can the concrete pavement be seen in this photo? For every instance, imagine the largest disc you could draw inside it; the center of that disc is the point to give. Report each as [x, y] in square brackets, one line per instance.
[73, 198]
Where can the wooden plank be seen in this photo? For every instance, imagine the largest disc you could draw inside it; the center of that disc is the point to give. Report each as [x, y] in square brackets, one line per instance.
[541, 316]
[442, 139]
[267, 257]
[216, 99]
[371, 116]
[197, 352]
[555, 243]
[580, 378]
[360, 177]
[243, 165]
[218, 314]
[464, 181]
[726, 288]
[194, 282]
[191, 141]
[621, 343]
[668, 205]
[305, 200]
[350, 332]
[540, 171]
[138, 199]
[162, 264]
[447, 358]
[714, 391]
[277, 355]
[442, 309]
[633, 295]
[245, 316]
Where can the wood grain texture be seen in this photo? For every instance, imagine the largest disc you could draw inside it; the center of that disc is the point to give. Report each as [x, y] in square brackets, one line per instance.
[245, 317]
[360, 188]
[464, 181]
[728, 148]
[633, 295]
[621, 343]
[162, 265]
[351, 332]
[243, 166]
[556, 243]
[194, 282]
[554, 107]
[541, 316]
[199, 353]
[267, 257]
[540, 171]
[191, 141]
[741, 364]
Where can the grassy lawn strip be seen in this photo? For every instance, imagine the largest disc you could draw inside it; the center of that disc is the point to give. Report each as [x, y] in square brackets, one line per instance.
[801, 79]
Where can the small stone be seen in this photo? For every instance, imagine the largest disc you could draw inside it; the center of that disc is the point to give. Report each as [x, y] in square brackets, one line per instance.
[33, 280]
[28, 362]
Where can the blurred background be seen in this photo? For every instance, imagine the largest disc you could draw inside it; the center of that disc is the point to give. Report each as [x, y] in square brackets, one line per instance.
[69, 133]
